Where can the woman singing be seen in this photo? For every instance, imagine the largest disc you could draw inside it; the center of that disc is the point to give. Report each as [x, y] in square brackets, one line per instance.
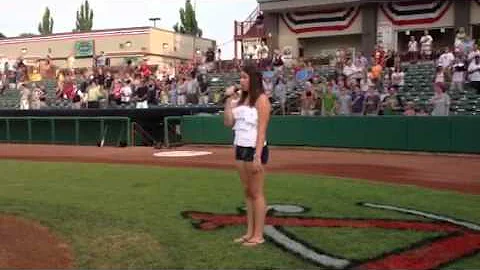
[249, 118]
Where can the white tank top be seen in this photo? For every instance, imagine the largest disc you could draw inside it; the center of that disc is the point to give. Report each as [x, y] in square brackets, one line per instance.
[246, 123]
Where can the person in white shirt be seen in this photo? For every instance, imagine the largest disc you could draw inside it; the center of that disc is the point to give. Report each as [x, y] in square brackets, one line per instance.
[24, 97]
[446, 59]
[398, 77]
[126, 92]
[352, 72]
[473, 53]
[413, 49]
[458, 77]
[474, 73]
[426, 45]
[440, 101]
[249, 119]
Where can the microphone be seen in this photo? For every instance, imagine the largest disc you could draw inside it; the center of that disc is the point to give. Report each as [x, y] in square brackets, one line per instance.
[230, 91]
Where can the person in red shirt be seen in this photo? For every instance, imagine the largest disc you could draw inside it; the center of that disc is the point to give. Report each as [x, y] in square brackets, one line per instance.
[379, 55]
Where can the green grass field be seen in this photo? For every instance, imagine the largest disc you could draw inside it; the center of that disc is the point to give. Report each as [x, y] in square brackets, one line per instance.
[120, 216]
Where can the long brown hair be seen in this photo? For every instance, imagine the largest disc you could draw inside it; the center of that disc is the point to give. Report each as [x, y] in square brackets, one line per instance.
[255, 85]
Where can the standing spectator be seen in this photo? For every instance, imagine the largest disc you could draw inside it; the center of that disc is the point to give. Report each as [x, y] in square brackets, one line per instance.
[426, 42]
[372, 102]
[358, 98]
[77, 98]
[474, 73]
[36, 95]
[181, 92]
[280, 93]
[277, 62]
[24, 97]
[141, 95]
[173, 91]
[376, 75]
[192, 90]
[126, 92]
[475, 51]
[203, 89]
[410, 109]
[445, 61]
[458, 77]
[329, 102]
[440, 101]
[439, 75]
[379, 56]
[392, 103]
[352, 72]
[268, 86]
[413, 49]
[390, 60]
[219, 60]
[398, 77]
[308, 101]
[101, 60]
[94, 94]
[344, 103]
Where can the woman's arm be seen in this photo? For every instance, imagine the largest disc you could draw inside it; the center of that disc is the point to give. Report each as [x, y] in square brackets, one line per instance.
[263, 109]
[228, 119]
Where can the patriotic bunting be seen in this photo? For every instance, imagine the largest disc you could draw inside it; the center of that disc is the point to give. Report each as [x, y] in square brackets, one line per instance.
[321, 20]
[415, 12]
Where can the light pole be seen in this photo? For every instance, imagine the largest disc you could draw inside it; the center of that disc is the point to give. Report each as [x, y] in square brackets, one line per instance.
[154, 20]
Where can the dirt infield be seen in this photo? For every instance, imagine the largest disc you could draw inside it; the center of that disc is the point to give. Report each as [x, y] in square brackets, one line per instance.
[28, 245]
[433, 171]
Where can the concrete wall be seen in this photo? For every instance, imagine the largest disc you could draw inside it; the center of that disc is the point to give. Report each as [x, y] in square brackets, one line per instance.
[314, 46]
[288, 38]
[474, 13]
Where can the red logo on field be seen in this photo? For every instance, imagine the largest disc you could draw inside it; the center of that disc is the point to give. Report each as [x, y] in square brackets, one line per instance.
[459, 238]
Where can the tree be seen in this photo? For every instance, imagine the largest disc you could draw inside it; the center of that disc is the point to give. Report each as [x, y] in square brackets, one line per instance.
[188, 21]
[45, 27]
[84, 18]
[2, 36]
[26, 35]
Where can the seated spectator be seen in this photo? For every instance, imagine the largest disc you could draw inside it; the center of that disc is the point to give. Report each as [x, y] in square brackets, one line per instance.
[344, 103]
[440, 101]
[379, 56]
[410, 109]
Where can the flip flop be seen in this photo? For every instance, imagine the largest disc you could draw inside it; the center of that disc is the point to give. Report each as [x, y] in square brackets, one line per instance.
[253, 243]
[242, 239]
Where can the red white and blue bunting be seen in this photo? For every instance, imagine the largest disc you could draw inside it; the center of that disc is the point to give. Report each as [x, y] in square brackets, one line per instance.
[415, 12]
[321, 20]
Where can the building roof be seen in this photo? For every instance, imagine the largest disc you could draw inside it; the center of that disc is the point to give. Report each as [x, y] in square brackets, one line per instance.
[84, 35]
